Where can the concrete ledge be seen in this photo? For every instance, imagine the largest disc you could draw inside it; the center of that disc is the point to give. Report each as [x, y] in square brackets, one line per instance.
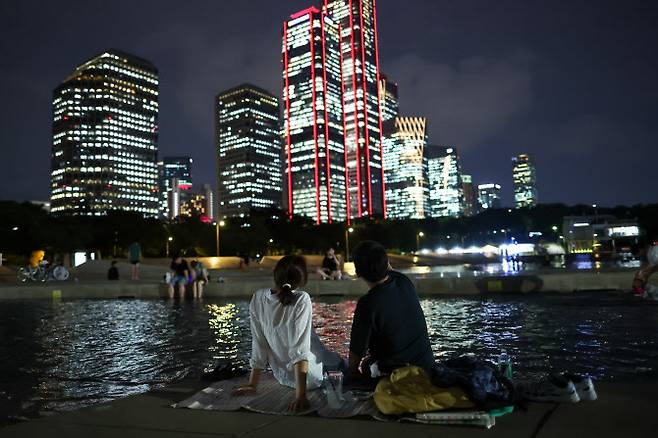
[623, 410]
[428, 286]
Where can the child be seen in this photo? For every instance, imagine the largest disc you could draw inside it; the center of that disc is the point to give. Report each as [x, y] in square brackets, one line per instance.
[281, 330]
[113, 272]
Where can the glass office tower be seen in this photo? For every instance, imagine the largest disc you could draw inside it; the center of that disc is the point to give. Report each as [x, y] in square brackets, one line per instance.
[525, 180]
[105, 138]
[248, 143]
[407, 191]
[446, 188]
[315, 155]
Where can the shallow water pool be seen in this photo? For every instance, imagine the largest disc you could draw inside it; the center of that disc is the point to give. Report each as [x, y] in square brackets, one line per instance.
[65, 355]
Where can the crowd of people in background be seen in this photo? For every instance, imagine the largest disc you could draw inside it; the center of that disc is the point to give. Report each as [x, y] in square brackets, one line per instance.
[183, 274]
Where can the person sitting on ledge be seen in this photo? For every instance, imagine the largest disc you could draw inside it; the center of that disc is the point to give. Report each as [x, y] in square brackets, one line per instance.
[282, 335]
[200, 277]
[181, 276]
[389, 325]
[113, 272]
[330, 269]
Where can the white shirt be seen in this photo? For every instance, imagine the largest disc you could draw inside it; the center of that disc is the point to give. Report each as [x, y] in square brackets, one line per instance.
[281, 336]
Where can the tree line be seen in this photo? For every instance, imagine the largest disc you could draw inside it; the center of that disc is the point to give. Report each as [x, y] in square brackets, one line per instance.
[25, 227]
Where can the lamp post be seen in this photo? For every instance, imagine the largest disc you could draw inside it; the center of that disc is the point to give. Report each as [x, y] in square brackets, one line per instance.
[217, 225]
[347, 243]
[418, 236]
[169, 239]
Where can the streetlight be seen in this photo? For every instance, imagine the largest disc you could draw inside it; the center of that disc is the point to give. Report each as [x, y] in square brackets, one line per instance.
[217, 225]
[169, 239]
[347, 243]
[418, 236]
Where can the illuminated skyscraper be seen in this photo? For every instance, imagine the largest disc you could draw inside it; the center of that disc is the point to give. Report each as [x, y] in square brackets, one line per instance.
[357, 24]
[446, 189]
[105, 138]
[525, 180]
[248, 141]
[489, 196]
[407, 191]
[173, 193]
[315, 175]
[470, 196]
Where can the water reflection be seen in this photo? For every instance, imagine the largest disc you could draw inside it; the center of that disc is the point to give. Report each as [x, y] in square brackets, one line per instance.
[230, 326]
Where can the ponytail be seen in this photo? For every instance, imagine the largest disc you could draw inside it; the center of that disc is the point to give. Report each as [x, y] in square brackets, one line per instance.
[289, 274]
[286, 294]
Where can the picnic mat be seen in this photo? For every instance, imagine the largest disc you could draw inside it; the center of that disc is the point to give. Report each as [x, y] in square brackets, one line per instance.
[274, 399]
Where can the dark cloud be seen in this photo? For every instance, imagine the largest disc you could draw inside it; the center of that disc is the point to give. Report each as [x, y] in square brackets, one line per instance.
[468, 101]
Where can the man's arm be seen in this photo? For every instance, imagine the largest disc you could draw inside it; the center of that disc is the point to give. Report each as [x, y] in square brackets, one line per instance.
[353, 367]
[359, 337]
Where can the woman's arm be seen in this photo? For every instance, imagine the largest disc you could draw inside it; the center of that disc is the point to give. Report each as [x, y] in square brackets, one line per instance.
[300, 403]
[251, 387]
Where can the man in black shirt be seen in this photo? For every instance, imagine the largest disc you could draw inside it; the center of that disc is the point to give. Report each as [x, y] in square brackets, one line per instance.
[389, 324]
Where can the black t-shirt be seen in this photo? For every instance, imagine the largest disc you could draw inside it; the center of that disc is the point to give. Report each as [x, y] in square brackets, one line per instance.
[329, 264]
[180, 268]
[389, 324]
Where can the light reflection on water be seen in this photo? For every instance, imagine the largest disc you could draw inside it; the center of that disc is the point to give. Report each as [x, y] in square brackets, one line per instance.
[58, 356]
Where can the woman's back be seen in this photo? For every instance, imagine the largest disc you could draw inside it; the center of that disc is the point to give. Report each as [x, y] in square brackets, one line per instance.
[281, 336]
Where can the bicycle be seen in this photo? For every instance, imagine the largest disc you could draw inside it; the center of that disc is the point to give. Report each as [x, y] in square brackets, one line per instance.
[41, 273]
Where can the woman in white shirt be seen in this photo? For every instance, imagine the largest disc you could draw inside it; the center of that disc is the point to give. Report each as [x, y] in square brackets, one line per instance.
[281, 330]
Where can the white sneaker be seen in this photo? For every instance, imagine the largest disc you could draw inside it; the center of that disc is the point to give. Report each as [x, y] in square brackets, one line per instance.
[549, 389]
[584, 386]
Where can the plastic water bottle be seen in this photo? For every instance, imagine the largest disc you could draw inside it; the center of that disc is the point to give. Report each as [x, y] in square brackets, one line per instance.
[505, 365]
[333, 386]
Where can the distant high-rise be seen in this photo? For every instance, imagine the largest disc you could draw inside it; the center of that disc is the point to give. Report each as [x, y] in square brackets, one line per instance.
[525, 180]
[210, 205]
[170, 169]
[445, 183]
[315, 173]
[248, 141]
[389, 101]
[470, 196]
[407, 191]
[200, 205]
[390, 111]
[105, 138]
[489, 196]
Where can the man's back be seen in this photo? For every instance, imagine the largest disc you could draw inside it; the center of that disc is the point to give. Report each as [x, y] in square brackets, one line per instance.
[389, 324]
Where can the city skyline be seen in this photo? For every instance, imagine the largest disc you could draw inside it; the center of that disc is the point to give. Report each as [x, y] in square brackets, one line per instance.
[487, 159]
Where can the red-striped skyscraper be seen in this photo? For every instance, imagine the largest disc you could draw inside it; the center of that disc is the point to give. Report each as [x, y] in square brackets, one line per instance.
[313, 117]
[333, 129]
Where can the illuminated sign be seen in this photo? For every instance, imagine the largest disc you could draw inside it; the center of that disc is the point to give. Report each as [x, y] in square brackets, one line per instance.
[624, 231]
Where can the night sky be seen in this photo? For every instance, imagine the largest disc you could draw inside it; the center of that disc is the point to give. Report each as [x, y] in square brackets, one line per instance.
[573, 83]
